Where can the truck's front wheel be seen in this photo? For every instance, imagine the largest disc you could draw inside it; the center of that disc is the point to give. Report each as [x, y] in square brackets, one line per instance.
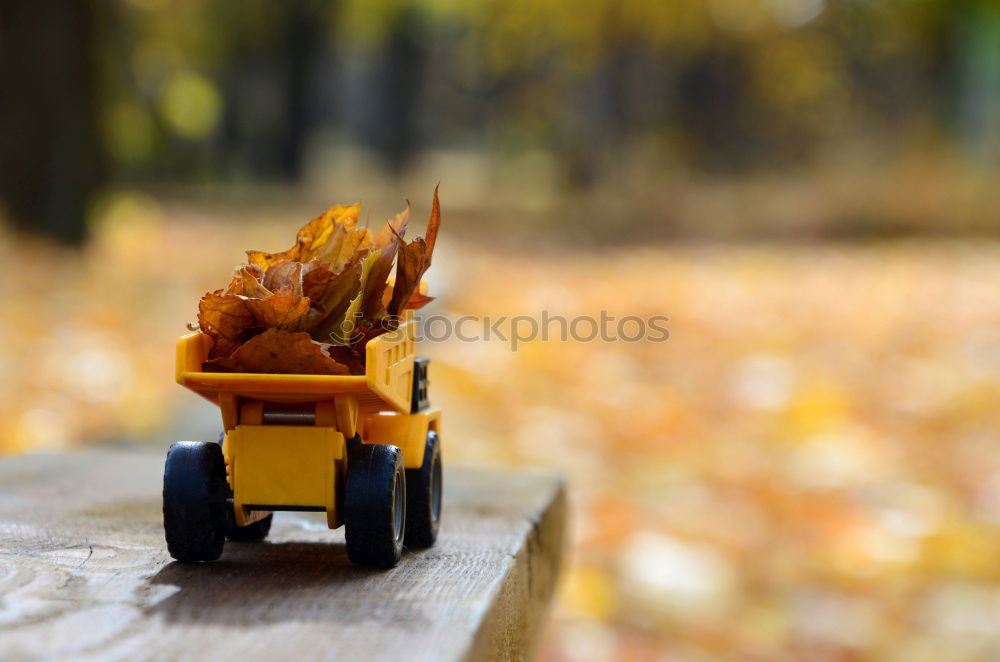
[423, 491]
[375, 505]
[194, 501]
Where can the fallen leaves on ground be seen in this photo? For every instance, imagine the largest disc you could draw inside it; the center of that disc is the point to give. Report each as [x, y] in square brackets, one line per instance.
[807, 469]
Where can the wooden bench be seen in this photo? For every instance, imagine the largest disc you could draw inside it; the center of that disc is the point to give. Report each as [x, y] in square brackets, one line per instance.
[84, 573]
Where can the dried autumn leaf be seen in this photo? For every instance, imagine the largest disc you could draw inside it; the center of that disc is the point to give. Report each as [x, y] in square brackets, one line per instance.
[343, 330]
[280, 352]
[247, 281]
[316, 276]
[409, 269]
[280, 310]
[394, 229]
[332, 306]
[331, 285]
[412, 260]
[387, 243]
[344, 246]
[286, 274]
[224, 317]
[433, 225]
[418, 301]
[311, 238]
[349, 356]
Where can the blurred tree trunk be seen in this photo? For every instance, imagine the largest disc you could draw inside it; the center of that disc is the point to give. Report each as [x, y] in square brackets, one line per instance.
[51, 161]
[979, 80]
[269, 86]
[405, 73]
[604, 110]
[304, 32]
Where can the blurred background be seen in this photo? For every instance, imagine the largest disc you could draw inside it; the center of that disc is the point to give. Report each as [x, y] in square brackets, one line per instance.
[808, 469]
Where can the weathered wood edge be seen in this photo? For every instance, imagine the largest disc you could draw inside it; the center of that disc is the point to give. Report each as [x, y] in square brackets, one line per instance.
[515, 622]
[510, 608]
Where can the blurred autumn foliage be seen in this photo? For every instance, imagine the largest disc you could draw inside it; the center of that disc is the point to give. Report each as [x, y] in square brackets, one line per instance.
[807, 470]
[613, 103]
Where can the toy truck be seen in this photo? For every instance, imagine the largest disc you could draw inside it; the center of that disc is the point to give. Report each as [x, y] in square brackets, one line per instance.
[364, 449]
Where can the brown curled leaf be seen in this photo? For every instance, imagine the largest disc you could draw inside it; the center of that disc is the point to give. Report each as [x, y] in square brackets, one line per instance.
[349, 356]
[409, 269]
[387, 243]
[252, 285]
[225, 317]
[280, 352]
[394, 229]
[433, 224]
[412, 260]
[279, 311]
[247, 281]
[332, 285]
[284, 275]
[316, 276]
[327, 321]
[418, 301]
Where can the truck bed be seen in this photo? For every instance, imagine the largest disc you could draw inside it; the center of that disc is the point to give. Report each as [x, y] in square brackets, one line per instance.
[388, 376]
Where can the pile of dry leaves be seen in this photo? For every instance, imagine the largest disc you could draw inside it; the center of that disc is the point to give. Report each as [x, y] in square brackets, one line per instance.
[312, 308]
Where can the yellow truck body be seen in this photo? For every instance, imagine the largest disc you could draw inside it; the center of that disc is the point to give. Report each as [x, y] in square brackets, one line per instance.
[286, 436]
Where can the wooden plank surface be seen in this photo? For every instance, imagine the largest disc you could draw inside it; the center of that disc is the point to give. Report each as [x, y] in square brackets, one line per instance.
[84, 573]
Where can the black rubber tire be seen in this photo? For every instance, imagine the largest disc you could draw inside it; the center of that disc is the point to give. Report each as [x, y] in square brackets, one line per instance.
[423, 496]
[375, 505]
[256, 531]
[194, 501]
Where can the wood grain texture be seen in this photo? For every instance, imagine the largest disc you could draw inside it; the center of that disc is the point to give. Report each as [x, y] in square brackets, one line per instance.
[84, 574]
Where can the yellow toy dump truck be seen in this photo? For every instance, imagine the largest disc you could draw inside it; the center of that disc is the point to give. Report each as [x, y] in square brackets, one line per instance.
[364, 449]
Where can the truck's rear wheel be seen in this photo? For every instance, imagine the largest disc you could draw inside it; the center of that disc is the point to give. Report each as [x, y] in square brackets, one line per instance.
[194, 501]
[256, 531]
[375, 505]
[423, 494]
